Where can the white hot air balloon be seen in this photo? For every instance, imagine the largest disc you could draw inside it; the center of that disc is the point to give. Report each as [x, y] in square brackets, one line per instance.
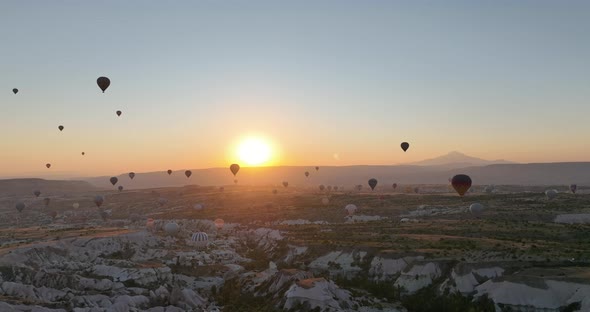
[200, 240]
[476, 209]
[171, 228]
[325, 200]
[551, 194]
[76, 205]
[350, 209]
[199, 206]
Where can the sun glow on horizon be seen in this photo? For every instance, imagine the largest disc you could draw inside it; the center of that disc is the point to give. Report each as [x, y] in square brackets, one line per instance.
[254, 151]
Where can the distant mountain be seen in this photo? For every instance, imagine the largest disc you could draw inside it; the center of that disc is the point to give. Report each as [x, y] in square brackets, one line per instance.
[20, 187]
[456, 159]
[348, 176]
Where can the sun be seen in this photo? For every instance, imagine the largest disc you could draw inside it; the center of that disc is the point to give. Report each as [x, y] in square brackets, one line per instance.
[254, 151]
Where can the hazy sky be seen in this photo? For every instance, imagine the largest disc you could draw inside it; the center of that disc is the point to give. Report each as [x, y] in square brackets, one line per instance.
[492, 79]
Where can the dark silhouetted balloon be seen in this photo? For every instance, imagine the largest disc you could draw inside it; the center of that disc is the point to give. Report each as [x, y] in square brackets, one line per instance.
[405, 146]
[120, 188]
[394, 185]
[317, 168]
[322, 187]
[46, 201]
[169, 172]
[275, 191]
[573, 188]
[285, 183]
[188, 173]
[234, 169]
[103, 83]
[61, 128]
[83, 153]
[114, 180]
[15, 90]
[461, 183]
[131, 175]
[372, 183]
[37, 193]
[98, 200]
[20, 206]
[306, 173]
[119, 113]
[48, 166]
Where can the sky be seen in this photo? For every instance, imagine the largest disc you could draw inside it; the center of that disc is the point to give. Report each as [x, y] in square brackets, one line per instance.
[322, 82]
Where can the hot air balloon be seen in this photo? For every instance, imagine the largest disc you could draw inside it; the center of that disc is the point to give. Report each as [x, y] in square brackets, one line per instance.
[103, 83]
[234, 168]
[98, 200]
[285, 183]
[325, 200]
[275, 191]
[405, 146]
[219, 223]
[83, 153]
[322, 187]
[198, 206]
[188, 173]
[53, 214]
[119, 113]
[489, 189]
[37, 193]
[20, 206]
[61, 128]
[171, 228]
[169, 172]
[461, 183]
[114, 180]
[120, 188]
[221, 188]
[350, 209]
[551, 194]
[317, 168]
[573, 188]
[15, 90]
[372, 183]
[200, 239]
[306, 174]
[416, 190]
[329, 187]
[46, 201]
[76, 205]
[131, 175]
[150, 224]
[394, 185]
[162, 201]
[476, 209]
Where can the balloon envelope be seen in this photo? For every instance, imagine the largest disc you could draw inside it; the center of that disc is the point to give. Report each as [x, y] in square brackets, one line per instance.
[219, 223]
[325, 200]
[131, 175]
[551, 194]
[114, 180]
[405, 146]
[171, 228]
[103, 83]
[461, 183]
[198, 206]
[46, 201]
[394, 185]
[200, 239]
[20, 206]
[98, 200]
[169, 172]
[15, 90]
[48, 166]
[234, 168]
[372, 183]
[285, 183]
[307, 173]
[350, 209]
[476, 209]
[37, 193]
[322, 187]
[120, 188]
[573, 188]
[188, 173]
[119, 113]
[317, 168]
[60, 128]
[76, 205]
